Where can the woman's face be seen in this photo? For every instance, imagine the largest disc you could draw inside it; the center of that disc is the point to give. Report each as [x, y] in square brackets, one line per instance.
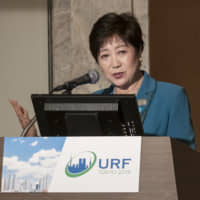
[119, 62]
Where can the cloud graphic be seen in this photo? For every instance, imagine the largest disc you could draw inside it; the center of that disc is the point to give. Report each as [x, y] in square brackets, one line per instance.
[48, 163]
[33, 144]
[13, 163]
[43, 155]
[21, 141]
[40, 164]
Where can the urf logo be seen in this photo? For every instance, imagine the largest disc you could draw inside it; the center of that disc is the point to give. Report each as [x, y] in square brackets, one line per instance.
[80, 164]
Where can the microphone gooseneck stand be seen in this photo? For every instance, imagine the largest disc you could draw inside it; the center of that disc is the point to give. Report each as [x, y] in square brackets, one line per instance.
[67, 91]
[91, 77]
[29, 125]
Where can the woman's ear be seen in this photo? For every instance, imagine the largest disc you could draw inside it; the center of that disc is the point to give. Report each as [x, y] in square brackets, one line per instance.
[139, 54]
[139, 57]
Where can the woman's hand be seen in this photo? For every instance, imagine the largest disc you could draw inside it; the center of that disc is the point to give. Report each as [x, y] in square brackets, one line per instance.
[23, 117]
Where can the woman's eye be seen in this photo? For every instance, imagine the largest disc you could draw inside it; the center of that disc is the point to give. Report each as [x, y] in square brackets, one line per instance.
[122, 52]
[104, 56]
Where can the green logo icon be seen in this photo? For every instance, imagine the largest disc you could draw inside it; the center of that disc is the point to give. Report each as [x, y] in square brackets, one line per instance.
[80, 164]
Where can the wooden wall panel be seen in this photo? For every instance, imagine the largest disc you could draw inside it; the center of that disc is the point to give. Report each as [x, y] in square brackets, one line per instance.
[175, 47]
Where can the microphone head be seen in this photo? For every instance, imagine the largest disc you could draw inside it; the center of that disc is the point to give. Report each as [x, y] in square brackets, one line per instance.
[94, 76]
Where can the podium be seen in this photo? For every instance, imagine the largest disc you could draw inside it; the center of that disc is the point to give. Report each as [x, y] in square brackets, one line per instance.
[170, 170]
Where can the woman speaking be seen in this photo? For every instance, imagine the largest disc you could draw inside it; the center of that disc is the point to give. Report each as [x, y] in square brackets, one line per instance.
[116, 44]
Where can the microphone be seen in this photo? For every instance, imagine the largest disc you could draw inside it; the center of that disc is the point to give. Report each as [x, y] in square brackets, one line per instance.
[91, 77]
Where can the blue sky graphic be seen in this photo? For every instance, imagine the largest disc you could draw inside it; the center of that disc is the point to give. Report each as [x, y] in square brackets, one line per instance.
[24, 148]
[29, 160]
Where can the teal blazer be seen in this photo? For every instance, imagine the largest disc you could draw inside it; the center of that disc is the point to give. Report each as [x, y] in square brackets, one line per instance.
[164, 109]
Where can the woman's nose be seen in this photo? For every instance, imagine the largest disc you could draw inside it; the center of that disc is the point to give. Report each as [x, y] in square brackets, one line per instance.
[115, 62]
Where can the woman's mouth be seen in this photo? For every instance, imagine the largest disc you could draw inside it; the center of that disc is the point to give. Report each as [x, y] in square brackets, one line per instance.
[118, 75]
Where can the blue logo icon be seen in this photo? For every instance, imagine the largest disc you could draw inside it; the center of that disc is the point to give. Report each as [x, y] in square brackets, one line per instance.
[80, 164]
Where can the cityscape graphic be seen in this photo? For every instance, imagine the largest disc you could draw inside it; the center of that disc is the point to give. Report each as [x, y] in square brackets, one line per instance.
[12, 183]
[28, 163]
[80, 166]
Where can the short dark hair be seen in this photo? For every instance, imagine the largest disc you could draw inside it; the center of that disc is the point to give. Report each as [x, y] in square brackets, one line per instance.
[124, 25]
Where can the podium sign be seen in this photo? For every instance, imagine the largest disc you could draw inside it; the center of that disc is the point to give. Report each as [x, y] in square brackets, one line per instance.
[98, 164]
[29, 165]
[71, 164]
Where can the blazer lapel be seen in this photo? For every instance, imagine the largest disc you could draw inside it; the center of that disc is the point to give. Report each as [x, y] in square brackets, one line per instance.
[145, 95]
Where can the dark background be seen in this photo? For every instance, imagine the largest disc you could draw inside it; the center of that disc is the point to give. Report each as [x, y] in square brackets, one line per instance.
[175, 48]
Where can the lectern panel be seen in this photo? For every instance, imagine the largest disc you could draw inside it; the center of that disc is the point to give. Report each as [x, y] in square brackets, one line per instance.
[157, 177]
